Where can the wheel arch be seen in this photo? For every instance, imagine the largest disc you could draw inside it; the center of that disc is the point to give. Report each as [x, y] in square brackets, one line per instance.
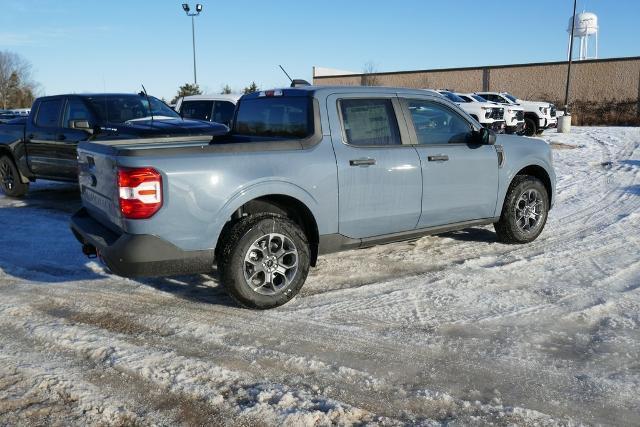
[293, 207]
[15, 152]
[540, 173]
[531, 115]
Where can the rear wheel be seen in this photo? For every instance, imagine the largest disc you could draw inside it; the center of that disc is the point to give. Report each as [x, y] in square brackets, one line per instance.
[10, 180]
[525, 210]
[530, 126]
[264, 260]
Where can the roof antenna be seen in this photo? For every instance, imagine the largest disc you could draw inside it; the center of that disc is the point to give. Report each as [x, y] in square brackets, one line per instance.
[144, 92]
[285, 73]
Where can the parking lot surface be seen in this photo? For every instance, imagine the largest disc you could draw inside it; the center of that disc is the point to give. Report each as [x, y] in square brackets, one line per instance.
[455, 328]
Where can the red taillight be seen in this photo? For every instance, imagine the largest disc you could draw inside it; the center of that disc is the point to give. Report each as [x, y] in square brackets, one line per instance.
[140, 192]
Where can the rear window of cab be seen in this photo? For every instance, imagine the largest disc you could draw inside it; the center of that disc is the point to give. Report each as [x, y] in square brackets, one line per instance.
[275, 117]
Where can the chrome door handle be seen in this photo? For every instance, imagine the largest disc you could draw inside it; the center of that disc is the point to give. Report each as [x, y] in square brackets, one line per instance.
[362, 162]
[438, 158]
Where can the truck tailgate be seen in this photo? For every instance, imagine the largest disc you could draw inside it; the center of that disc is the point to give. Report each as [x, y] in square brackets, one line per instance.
[98, 175]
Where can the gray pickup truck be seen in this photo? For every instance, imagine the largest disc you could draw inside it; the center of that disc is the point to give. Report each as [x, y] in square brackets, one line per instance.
[304, 172]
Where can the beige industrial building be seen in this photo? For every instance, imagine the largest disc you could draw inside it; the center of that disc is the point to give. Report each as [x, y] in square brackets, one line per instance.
[593, 82]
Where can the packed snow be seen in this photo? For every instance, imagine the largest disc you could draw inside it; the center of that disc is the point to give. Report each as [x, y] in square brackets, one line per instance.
[454, 329]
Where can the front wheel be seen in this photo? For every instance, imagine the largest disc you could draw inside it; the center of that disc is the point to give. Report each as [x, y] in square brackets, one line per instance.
[264, 260]
[530, 126]
[10, 181]
[525, 210]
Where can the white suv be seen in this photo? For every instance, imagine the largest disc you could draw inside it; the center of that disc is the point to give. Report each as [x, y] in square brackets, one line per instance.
[488, 115]
[513, 114]
[212, 108]
[538, 116]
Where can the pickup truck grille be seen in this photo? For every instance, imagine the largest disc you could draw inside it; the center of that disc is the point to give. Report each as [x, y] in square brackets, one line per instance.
[553, 110]
[520, 115]
[497, 114]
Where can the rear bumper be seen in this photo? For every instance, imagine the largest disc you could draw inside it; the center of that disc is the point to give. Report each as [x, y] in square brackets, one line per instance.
[138, 255]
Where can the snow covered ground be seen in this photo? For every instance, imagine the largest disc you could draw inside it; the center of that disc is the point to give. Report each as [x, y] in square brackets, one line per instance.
[454, 329]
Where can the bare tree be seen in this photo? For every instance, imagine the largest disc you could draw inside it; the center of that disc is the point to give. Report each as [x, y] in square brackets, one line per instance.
[369, 77]
[16, 87]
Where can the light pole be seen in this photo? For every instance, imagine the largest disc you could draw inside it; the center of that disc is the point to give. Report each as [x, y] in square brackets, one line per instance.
[564, 122]
[573, 27]
[187, 10]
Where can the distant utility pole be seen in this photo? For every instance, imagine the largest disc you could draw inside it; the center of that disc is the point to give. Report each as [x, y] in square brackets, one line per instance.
[187, 10]
[573, 26]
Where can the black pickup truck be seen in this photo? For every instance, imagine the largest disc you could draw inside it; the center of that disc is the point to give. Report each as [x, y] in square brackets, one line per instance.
[43, 146]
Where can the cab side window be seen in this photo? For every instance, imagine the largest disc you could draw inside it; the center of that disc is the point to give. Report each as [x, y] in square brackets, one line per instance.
[435, 123]
[49, 113]
[223, 112]
[370, 122]
[75, 110]
[198, 110]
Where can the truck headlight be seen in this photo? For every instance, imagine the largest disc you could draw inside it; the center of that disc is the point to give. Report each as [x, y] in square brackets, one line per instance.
[544, 110]
[487, 112]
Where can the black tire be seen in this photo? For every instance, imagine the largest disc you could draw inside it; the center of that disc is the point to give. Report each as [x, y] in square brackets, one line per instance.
[10, 180]
[508, 228]
[530, 126]
[235, 246]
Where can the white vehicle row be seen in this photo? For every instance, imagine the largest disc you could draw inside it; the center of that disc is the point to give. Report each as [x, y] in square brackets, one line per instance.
[502, 112]
[538, 116]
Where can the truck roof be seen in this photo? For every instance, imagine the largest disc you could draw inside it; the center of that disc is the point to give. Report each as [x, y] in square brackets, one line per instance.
[213, 97]
[329, 90]
[87, 95]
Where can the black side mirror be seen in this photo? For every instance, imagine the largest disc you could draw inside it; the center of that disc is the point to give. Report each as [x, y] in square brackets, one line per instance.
[486, 136]
[81, 125]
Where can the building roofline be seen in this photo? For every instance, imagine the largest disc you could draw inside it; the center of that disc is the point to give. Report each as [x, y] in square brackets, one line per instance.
[531, 64]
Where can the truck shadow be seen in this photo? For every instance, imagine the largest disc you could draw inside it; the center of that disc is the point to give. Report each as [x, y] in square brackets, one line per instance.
[35, 241]
[201, 288]
[631, 162]
[472, 235]
[60, 197]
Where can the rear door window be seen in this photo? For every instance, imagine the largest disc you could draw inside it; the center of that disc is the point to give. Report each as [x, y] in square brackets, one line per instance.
[274, 117]
[49, 113]
[198, 110]
[370, 122]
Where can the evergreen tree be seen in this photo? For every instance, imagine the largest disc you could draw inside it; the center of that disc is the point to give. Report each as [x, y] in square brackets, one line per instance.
[226, 90]
[253, 87]
[186, 90]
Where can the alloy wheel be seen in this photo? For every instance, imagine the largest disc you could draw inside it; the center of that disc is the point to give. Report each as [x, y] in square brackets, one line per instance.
[6, 175]
[270, 264]
[529, 211]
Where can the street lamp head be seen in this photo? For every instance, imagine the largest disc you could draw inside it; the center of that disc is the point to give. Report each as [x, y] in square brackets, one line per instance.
[185, 7]
[198, 8]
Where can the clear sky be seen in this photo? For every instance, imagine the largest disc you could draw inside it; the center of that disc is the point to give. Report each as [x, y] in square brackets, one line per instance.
[86, 45]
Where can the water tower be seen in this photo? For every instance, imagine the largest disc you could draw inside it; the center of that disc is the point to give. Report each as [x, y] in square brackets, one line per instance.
[585, 27]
